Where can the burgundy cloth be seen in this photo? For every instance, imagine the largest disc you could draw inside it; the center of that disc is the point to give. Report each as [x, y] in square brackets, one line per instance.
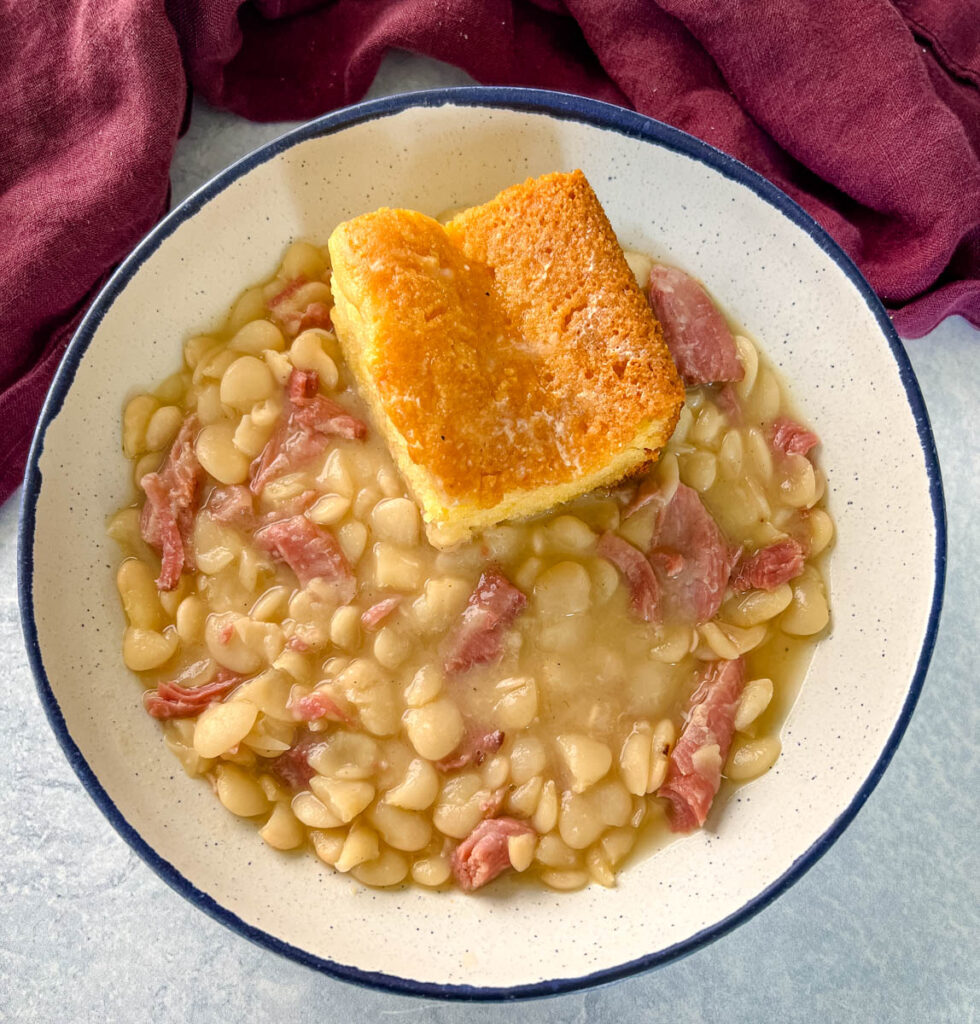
[867, 112]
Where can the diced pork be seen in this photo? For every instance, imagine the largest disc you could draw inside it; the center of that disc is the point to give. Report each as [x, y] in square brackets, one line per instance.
[293, 766]
[491, 608]
[727, 401]
[644, 588]
[315, 706]
[316, 314]
[695, 557]
[648, 491]
[231, 505]
[475, 748]
[792, 438]
[311, 551]
[769, 567]
[294, 318]
[288, 291]
[304, 429]
[483, 854]
[696, 333]
[173, 700]
[172, 493]
[372, 617]
[695, 765]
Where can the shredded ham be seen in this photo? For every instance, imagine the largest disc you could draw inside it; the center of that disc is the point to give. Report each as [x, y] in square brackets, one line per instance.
[644, 589]
[695, 557]
[478, 637]
[304, 429]
[695, 765]
[172, 493]
[791, 438]
[696, 333]
[372, 617]
[315, 706]
[475, 747]
[483, 854]
[231, 505]
[769, 567]
[293, 766]
[311, 551]
[173, 700]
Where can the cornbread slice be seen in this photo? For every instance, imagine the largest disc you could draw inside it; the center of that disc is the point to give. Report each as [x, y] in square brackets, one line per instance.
[509, 358]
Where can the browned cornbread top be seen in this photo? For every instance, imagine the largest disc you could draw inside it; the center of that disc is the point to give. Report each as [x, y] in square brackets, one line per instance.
[447, 365]
[512, 349]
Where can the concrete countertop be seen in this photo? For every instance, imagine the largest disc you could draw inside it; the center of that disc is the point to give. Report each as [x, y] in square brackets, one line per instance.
[886, 927]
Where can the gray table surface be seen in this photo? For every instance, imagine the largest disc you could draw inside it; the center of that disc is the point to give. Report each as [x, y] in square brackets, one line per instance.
[885, 927]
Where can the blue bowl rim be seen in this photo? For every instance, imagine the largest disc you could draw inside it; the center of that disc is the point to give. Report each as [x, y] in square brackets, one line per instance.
[564, 106]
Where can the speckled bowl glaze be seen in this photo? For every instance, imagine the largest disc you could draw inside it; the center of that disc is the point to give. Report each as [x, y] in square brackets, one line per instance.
[775, 271]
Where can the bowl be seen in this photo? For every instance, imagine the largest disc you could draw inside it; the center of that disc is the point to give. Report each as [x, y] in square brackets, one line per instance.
[773, 269]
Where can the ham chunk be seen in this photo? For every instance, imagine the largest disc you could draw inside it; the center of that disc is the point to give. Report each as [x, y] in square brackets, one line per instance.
[696, 333]
[311, 551]
[304, 429]
[644, 588]
[172, 494]
[475, 748]
[483, 854]
[316, 706]
[791, 438]
[281, 298]
[695, 765]
[769, 567]
[694, 558]
[316, 314]
[727, 401]
[491, 608]
[293, 766]
[293, 318]
[172, 700]
[372, 617]
[231, 505]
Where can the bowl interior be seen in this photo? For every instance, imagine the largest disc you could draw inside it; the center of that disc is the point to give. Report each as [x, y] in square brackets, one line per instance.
[784, 287]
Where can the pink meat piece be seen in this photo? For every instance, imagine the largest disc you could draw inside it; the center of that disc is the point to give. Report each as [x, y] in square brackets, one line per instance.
[287, 292]
[172, 700]
[315, 706]
[685, 528]
[491, 608]
[482, 855]
[669, 563]
[769, 567]
[304, 430]
[792, 438]
[158, 525]
[231, 505]
[647, 492]
[475, 747]
[372, 617]
[316, 314]
[727, 401]
[172, 493]
[311, 551]
[293, 766]
[696, 333]
[640, 578]
[695, 765]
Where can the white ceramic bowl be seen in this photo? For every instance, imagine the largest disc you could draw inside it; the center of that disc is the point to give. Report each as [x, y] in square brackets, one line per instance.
[773, 269]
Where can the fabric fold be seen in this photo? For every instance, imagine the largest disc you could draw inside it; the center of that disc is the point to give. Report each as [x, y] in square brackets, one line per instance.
[866, 112]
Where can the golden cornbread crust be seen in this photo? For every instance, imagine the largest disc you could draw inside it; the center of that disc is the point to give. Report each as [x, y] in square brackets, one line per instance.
[509, 358]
